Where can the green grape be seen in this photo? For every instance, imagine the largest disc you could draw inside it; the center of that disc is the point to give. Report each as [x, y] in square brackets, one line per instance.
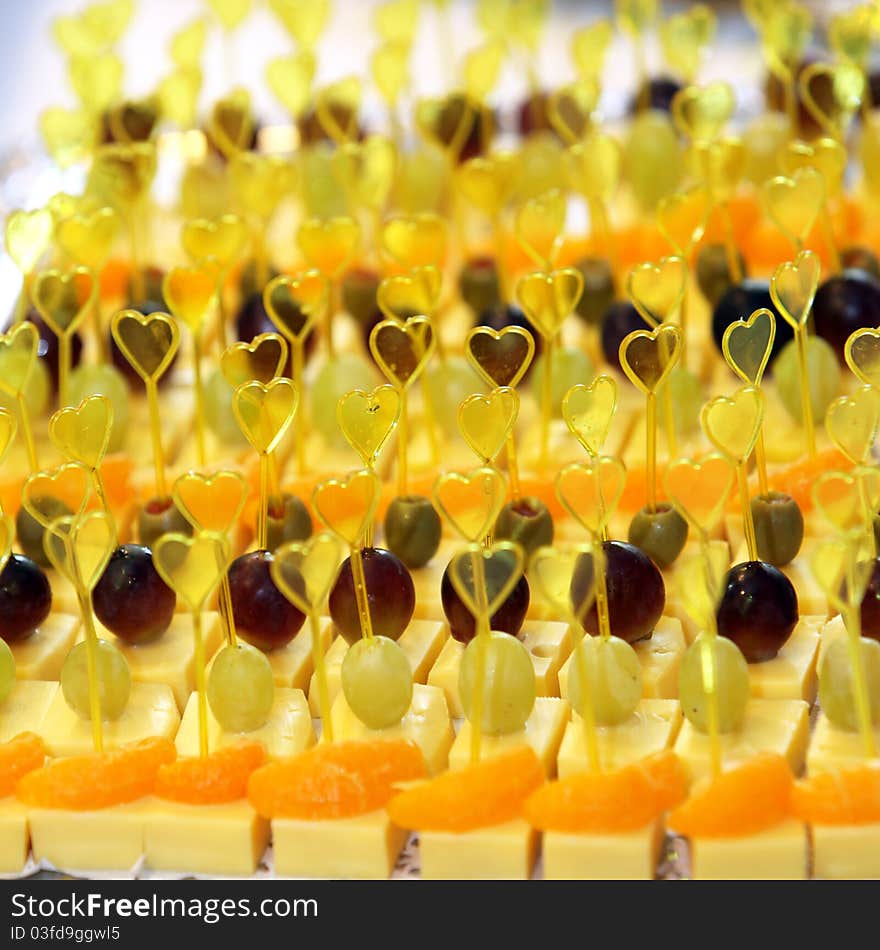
[36, 392]
[764, 138]
[613, 676]
[822, 369]
[218, 410]
[836, 696]
[687, 400]
[103, 380]
[508, 685]
[241, 688]
[652, 158]
[321, 193]
[449, 382]
[570, 366]
[334, 379]
[113, 676]
[540, 159]
[7, 671]
[377, 682]
[732, 676]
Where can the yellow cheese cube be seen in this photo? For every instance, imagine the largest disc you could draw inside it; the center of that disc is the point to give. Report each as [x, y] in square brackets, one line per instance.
[332, 668]
[791, 674]
[629, 856]
[548, 644]
[42, 655]
[227, 839]
[543, 732]
[25, 708]
[426, 723]
[660, 656]
[846, 851]
[14, 836]
[500, 852]
[365, 846]
[652, 727]
[89, 840]
[171, 658]
[770, 725]
[64, 599]
[288, 730]
[834, 748]
[427, 579]
[151, 711]
[292, 664]
[776, 854]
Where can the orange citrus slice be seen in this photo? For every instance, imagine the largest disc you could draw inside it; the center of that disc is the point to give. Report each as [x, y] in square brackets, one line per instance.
[19, 756]
[213, 779]
[845, 797]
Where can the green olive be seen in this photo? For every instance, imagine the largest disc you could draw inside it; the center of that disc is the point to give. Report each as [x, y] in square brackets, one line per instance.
[359, 288]
[412, 530]
[528, 522]
[478, 284]
[661, 533]
[30, 532]
[160, 516]
[713, 274]
[598, 292]
[289, 520]
[779, 527]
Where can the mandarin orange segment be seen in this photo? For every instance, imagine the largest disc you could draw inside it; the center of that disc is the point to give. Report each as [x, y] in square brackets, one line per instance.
[845, 797]
[488, 793]
[215, 779]
[610, 802]
[19, 756]
[335, 780]
[98, 780]
[797, 479]
[747, 799]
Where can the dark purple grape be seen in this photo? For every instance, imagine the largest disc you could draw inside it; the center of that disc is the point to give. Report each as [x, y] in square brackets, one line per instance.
[532, 116]
[478, 284]
[263, 615]
[47, 348]
[359, 287]
[871, 605]
[131, 599]
[391, 596]
[252, 320]
[508, 618]
[25, 598]
[758, 609]
[844, 303]
[636, 592]
[656, 93]
[620, 319]
[739, 302]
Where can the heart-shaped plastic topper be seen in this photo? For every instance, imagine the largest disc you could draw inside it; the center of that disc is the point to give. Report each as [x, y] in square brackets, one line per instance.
[329, 246]
[70, 483]
[389, 66]
[123, 173]
[408, 295]
[570, 109]
[842, 567]
[538, 227]
[649, 356]
[747, 345]
[69, 134]
[699, 490]
[191, 293]
[18, 354]
[210, 502]
[294, 303]
[732, 424]
[262, 359]
[259, 181]
[79, 547]
[846, 82]
[699, 582]
[588, 411]
[499, 567]
[793, 287]
[684, 36]
[305, 571]
[8, 428]
[191, 566]
[487, 182]
[470, 502]
[417, 240]
[657, 290]
[862, 352]
[840, 497]
[264, 411]
[682, 218]
[63, 299]
[347, 506]
[852, 423]
[290, 79]
[148, 342]
[134, 120]
[548, 298]
[402, 351]
[550, 572]
[794, 203]
[502, 357]
[304, 20]
[701, 112]
[231, 13]
[486, 421]
[825, 154]
[223, 238]
[481, 69]
[447, 122]
[28, 234]
[589, 46]
[7, 538]
[367, 420]
[366, 171]
[721, 165]
[88, 239]
[82, 433]
[593, 166]
[231, 123]
[590, 491]
[337, 107]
